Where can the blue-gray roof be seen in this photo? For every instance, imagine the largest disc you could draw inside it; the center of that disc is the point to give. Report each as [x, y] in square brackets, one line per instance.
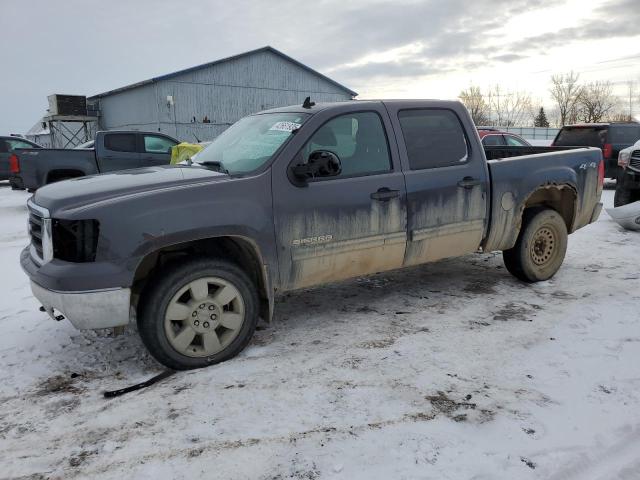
[222, 60]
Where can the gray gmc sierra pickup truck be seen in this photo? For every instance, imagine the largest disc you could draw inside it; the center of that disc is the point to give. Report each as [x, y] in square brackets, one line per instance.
[290, 198]
[32, 168]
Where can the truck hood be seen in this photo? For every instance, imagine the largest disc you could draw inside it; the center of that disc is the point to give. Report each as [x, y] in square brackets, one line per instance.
[84, 191]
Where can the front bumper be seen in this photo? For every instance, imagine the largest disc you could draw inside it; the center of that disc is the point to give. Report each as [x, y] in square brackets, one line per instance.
[92, 309]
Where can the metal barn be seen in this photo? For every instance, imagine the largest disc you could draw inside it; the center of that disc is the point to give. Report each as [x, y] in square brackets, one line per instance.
[201, 102]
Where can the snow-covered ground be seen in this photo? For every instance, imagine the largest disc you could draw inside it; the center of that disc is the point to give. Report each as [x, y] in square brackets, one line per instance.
[451, 370]
[539, 143]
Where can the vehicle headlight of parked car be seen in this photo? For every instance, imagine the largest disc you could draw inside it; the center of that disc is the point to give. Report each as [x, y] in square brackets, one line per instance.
[623, 158]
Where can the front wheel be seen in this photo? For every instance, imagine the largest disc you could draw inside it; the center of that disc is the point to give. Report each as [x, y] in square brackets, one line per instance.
[198, 313]
[540, 248]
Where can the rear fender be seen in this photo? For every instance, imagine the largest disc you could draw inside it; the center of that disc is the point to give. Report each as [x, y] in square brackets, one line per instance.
[512, 193]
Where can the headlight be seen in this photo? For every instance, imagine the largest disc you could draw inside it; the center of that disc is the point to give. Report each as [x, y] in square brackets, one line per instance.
[75, 240]
[623, 159]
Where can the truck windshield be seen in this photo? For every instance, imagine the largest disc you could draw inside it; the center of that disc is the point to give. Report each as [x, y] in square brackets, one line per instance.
[582, 137]
[251, 142]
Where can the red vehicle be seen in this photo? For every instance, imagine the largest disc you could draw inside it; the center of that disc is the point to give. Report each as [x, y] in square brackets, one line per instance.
[496, 138]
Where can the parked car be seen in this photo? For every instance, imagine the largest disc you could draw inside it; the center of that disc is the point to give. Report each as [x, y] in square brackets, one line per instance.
[291, 198]
[113, 150]
[496, 138]
[610, 137]
[89, 144]
[7, 145]
[628, 184]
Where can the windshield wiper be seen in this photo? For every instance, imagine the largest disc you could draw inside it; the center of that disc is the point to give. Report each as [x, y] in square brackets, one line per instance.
[214, 163]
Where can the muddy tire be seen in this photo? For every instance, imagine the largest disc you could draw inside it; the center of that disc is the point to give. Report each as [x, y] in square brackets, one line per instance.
[623, 196]
[197, 313]
[540, 248]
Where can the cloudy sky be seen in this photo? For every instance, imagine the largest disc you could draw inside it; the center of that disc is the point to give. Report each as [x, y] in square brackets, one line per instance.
[420, 49]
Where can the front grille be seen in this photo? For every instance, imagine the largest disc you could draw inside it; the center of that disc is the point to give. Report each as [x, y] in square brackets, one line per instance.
[634, 161]
[39, 233]
[35, 232]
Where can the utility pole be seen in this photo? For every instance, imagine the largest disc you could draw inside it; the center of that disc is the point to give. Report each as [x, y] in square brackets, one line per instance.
[630, 100]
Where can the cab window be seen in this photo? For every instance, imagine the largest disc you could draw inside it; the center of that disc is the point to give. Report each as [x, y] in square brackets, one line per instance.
[358, 139]
[120, 142]
[156, 144]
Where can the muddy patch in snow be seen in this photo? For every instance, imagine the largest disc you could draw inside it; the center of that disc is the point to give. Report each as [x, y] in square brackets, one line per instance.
[522, 312]
[382, 343]
[60, 384]
[459, 411]
[482, 287]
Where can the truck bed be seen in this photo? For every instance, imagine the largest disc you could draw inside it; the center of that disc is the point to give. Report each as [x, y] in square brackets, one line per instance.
[35, 164]
[575, 184]
[498, 152]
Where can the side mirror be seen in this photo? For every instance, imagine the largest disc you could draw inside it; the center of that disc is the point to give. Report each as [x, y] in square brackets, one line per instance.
[321, 163]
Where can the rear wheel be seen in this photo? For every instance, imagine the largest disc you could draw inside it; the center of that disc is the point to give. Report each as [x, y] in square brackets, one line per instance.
[198, 313]
[540, 248]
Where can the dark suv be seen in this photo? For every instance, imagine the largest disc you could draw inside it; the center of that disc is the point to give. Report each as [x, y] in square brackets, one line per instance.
[610, 137]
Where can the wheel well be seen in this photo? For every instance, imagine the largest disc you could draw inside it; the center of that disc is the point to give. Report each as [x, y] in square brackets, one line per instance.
[57, 175]
[236, 249]
[560, 198]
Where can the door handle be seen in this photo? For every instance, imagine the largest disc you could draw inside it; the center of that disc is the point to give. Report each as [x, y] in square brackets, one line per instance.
[469, 182]
[385, 194]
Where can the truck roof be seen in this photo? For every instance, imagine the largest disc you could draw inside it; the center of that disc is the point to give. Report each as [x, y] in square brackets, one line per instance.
[601, 124]
[323, 106]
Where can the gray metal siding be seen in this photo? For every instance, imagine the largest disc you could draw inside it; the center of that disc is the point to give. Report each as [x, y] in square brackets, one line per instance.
[135, 109]
[223, 93]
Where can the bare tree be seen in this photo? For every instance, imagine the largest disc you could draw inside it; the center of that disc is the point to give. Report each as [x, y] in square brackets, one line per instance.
[619, 116]
[510, 109]
[631, 88]
[595, 102]
[565, 91]
[474, 100]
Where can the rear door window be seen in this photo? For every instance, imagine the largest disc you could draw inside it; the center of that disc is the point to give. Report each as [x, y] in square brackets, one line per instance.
[493, 141]
[120, 142]
[581, 137]
[514, 141]
[434, 138]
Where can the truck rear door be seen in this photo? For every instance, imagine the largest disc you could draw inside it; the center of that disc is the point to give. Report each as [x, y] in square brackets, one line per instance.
[347, 225]
[117, 151]
[447, 181]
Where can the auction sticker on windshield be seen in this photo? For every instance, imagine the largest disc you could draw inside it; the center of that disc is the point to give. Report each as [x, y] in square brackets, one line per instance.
[285, 126]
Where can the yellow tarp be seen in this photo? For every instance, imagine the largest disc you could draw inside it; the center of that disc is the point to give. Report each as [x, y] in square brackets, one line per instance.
[183, 151]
